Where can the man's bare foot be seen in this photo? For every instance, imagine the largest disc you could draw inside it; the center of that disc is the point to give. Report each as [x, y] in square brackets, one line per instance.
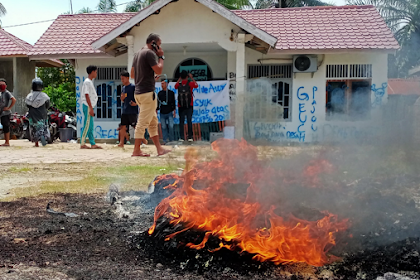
[95, 147]
[5, 145]
[140, 154]
[121, 146]
[163, 152]
[84, 147]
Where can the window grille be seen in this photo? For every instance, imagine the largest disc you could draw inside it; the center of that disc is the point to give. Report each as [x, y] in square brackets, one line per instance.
[337, 71]
[110, 73]
[280, 71]
[346, 71]
[109, 101]
[360, 70]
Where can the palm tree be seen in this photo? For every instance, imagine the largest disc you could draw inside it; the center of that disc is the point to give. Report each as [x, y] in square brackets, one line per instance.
[135, 6]
[235, 4]
[264, 4]
[107, 6]
[85, 10]
[403, 18]
[2, 11]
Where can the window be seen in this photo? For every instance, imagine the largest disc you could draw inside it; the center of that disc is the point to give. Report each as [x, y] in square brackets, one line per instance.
[108, 87]
[200, 69]
[348, 91]
[279, 77]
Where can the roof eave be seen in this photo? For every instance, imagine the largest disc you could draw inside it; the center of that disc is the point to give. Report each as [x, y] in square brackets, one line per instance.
[68, 56]
[329, 51]
[219, 9]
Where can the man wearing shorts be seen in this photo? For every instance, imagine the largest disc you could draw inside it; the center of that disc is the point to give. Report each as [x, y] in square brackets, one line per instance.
[130, 110]
[7, 101]
[146, 63]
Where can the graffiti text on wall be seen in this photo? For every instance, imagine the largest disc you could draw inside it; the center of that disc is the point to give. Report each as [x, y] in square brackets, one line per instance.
[379, 94]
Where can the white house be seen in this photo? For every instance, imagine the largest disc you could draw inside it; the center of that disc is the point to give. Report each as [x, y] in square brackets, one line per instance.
[298, 74]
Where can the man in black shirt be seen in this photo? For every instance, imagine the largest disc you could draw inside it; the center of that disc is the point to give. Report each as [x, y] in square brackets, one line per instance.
[166, 104]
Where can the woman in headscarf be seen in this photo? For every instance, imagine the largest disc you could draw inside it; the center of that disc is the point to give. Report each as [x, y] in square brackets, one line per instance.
[38, 103]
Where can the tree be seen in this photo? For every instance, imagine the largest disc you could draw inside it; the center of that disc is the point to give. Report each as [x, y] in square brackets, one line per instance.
[264, 4]
[60, 85]
[2, 11]
[85, 10]
[107, 6]
[235, 4]
[135, 6]
[403, 18]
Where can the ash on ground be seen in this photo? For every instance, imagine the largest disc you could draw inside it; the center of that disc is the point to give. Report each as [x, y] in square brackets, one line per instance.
[368, 255]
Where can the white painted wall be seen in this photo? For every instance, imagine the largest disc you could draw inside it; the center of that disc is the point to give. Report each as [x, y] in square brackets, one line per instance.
[103, 129]
[186, 22]
[308, 121]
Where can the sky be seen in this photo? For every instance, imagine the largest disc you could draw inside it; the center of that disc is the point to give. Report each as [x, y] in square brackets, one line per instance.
[26, 11]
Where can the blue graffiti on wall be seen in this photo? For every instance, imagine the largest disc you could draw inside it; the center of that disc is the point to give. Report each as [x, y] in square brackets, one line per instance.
[379, 94]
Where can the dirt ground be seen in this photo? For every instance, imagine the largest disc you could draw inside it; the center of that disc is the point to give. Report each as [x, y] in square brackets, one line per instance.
[36, 245]
[96, 244]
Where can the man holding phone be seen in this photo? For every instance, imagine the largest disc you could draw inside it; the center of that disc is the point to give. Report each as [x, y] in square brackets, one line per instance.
[146, 63]
[130, 110]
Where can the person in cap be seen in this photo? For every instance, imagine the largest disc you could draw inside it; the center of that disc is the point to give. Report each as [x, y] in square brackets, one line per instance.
[38, 103]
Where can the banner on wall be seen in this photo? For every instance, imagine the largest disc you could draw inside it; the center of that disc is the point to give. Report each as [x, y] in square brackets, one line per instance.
[199, 72]
[211, 101]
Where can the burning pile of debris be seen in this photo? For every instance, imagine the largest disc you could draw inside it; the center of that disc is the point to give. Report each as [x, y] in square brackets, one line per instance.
[240, 213]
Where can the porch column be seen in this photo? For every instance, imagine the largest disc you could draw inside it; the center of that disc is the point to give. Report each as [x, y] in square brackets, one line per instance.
[130, 54]
[240, 87]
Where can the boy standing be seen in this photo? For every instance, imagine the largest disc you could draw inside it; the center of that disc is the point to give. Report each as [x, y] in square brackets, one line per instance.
[185, 103]
[7, 101]
[89, 100]
[167, 112]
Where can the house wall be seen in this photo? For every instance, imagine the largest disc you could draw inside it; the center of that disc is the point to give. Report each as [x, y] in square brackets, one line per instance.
[308, 118]
[103, 129]
[23, 74]
[6, 72]
[186, 22]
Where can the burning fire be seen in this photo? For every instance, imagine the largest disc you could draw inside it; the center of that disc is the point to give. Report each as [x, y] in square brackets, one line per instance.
[236, 198]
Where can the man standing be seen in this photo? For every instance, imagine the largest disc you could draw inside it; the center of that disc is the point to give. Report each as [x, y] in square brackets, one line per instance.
[89, 100]
[185, 103]
[7, 101]
[130, 110]
[146, 63]
[166, 105]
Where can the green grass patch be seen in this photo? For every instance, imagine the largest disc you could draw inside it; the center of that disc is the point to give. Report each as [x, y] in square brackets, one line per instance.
[15, 169]
[98, 180]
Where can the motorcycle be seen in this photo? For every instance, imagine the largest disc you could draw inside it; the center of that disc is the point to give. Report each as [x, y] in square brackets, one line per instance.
[16, 126]
[56, 120]
[71, 122]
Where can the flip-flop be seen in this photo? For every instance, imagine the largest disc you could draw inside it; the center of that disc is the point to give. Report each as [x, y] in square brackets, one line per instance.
[96, 147]
[141, 155]
[164, 152]
[4, 145]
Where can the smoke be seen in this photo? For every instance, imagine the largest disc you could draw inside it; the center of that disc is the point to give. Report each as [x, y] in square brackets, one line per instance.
[370, 145]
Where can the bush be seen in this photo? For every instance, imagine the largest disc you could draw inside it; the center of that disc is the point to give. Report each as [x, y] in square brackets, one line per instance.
[62, 97]
[60, 85]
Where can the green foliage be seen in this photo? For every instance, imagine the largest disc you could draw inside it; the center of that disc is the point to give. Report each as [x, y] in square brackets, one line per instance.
[135, 6]
[62, 97]
[107, 6]
[2, 10]
[85, 10]
[60, 85]
[265, 4]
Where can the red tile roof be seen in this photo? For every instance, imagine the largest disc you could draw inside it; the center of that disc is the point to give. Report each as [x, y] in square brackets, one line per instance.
[11, 45]
[307, 28]
[73, 34]
[404, 86]
[324, 28]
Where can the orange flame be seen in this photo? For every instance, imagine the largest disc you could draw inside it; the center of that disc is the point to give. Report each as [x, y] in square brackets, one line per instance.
[226, 198]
